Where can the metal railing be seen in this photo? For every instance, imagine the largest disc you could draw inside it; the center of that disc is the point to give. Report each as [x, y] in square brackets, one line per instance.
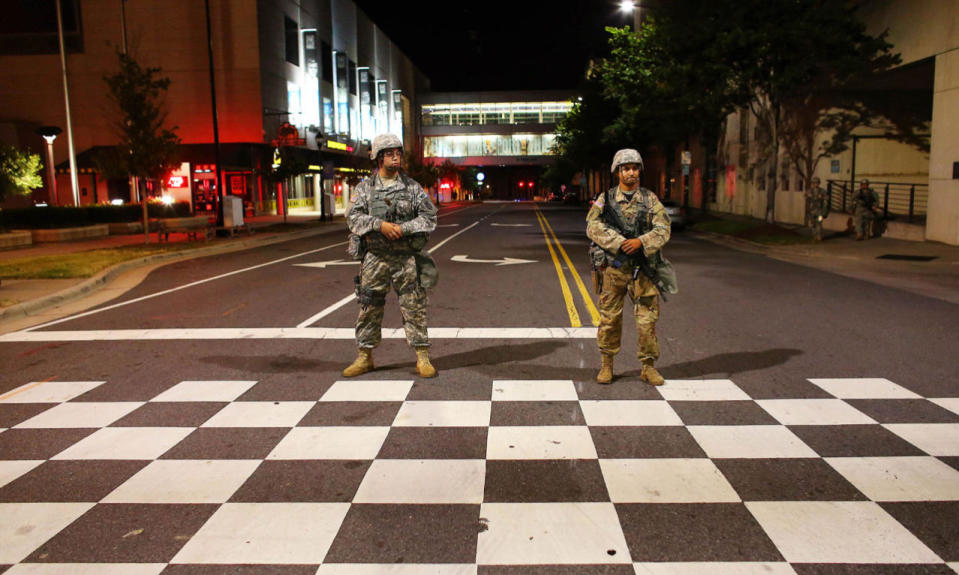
[896, 198]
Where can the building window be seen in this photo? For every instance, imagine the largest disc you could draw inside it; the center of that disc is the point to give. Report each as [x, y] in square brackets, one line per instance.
[352, 76]
[326, 59]
[292, 41]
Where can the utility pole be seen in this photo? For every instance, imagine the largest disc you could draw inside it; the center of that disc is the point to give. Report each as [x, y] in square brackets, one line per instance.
[216, 129]
[66, 100]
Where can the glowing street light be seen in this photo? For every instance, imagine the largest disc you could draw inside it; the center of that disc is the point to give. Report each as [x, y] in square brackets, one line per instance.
[629, 6]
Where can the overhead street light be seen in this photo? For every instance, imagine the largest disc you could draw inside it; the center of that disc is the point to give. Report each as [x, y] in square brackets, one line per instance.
[629, 6]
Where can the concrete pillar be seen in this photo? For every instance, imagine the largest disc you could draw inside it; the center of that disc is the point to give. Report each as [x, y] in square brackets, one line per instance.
[942, 223]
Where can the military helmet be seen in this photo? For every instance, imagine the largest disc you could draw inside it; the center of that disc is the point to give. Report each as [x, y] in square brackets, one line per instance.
[626, 156]
[864, 182]
[385, 142]
[814, 180]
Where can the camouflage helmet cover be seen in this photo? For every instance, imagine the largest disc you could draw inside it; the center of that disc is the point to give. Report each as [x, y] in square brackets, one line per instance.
[385, 142]
[626, 156]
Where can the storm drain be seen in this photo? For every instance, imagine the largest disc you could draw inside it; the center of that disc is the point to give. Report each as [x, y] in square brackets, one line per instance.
[905, 257]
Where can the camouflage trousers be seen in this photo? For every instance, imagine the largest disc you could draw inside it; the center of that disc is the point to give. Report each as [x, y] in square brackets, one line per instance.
[815, 224]
[617, 284]
[379, 273]
[863, 220]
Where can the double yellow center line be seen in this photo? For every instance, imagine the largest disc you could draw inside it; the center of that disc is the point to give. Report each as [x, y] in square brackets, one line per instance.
[551, 238]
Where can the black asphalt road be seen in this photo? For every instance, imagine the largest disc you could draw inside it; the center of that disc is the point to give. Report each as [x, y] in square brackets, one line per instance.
[766, 324]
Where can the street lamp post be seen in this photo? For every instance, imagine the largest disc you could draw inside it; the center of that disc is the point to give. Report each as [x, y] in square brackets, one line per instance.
[66, 100]
[627, 6]
[49, 134]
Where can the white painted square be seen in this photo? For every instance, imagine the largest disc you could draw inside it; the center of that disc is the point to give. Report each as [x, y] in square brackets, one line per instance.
[205, 391]
[934, 438]
[900, 478]
[666, 481]
[260, 414]
[126, 443]
[443, 414]
[534, 390]
[814, 412]
[838, 532]
[629, 413]
[86, 569]
[368, 390]
[396, 568]
[10, 470]
[950, 403]
[80, 415]
[864, 388]
[423, 481]
[702, 390]
[184, 481]
[547, 442]
[749, 441]
[713, 568]
[330, 443]
[48, 391]
[265, 533]
[550, 533]
[27, 526]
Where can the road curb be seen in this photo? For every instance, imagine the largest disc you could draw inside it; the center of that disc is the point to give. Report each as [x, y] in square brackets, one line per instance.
[106, 276]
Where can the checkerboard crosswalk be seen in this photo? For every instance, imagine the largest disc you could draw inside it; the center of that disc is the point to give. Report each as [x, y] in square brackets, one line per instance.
[374, 476]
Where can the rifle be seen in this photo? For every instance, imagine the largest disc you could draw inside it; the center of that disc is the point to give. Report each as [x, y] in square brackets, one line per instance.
[638, 258]
[641, 264]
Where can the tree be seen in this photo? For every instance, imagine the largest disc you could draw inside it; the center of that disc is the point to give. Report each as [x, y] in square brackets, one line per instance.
[19, 171]
[423, 172]
[147, 149]
[798, 61]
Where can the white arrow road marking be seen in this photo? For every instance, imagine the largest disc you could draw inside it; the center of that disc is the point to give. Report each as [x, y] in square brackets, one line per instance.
[502, 262]
[448, 226]
[322, 265]
[511, 225]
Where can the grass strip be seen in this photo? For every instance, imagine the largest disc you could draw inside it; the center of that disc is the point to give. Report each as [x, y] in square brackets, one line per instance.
[82, 264]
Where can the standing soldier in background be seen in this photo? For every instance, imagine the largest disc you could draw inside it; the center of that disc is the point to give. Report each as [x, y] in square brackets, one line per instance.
[817, 207]
[628, 226]
[390, 220]
[865, 203]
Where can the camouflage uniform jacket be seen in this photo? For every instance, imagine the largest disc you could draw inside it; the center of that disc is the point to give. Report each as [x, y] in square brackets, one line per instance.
[402, 201]
[817, 202]
[643, 200]
[865, 200]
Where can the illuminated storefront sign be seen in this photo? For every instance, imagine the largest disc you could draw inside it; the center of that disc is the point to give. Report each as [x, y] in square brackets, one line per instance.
[334, 145]
[176, 182]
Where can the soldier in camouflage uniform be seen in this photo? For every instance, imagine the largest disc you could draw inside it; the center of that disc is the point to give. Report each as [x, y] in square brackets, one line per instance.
[391, 218]
[632, 202]
[817, 208]
[865, 204]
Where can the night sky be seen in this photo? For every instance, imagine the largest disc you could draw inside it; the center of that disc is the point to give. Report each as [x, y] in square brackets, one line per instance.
[498, 45]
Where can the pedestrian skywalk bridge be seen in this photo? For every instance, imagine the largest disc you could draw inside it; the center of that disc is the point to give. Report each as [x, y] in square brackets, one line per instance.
[402, 477]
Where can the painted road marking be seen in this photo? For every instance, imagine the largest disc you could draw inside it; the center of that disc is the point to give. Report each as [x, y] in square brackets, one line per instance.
[567, 295]
[583, 292]
[322, 265]
[501, 262]
[331, 333]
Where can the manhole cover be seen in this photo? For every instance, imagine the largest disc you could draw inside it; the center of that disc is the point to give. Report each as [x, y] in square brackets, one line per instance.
[906, 258]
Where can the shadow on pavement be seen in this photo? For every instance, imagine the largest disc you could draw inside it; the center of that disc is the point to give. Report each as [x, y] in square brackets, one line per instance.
[726, 364]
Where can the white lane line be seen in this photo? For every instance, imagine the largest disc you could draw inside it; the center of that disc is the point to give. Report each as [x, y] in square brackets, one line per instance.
[189, 285]
[295, 333]
[317, 317]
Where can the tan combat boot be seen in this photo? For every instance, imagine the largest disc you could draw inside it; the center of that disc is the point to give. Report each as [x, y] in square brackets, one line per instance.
[605, 374]
[650, 374]
[362, 364]
[423, 365]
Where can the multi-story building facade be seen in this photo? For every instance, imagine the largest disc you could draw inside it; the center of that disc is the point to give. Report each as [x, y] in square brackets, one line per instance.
[317, 76]
[507, 136]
